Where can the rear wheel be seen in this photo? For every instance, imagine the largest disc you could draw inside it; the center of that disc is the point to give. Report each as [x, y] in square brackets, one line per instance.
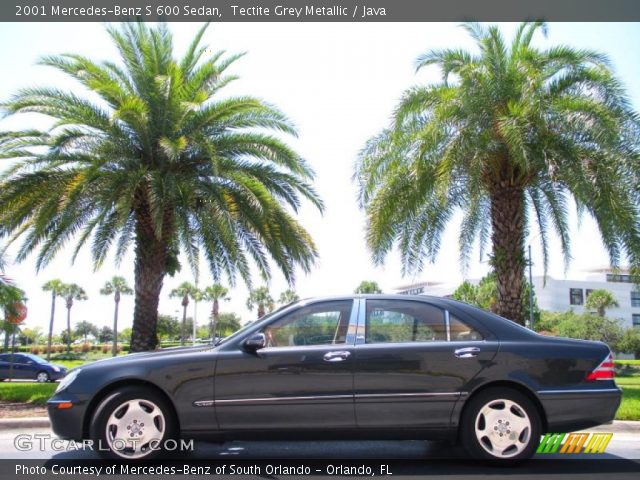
[132, 423]
[501, 424]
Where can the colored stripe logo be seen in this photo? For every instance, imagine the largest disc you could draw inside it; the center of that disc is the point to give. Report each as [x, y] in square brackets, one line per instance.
[568, 443]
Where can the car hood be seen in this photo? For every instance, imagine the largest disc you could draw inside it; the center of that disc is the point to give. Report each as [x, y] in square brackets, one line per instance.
[145, 356]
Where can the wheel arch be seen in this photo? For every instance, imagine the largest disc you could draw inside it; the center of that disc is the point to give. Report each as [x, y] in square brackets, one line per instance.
[127, 382]
[517, 386]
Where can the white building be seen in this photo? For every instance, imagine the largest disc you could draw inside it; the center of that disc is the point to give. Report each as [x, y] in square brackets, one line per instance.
[562, 295]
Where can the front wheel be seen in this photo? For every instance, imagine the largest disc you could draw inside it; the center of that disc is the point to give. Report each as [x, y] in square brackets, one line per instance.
[132, 423]
[42, 377]
[501, 424]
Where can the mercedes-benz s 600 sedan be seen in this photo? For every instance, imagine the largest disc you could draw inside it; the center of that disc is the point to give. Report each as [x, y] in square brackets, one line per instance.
[368, 367]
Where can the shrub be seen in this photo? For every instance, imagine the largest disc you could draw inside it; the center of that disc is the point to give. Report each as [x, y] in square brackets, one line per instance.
[68, 356]
[35, 349]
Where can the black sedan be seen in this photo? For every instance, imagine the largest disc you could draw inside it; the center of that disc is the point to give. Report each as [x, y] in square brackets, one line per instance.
[24, 366]
[370, 367]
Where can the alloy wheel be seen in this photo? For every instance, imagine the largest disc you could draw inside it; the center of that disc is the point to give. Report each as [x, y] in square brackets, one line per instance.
[135, 428]
[503, 428]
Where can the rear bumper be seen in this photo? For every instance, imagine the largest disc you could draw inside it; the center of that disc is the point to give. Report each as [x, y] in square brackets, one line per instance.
[570, 410]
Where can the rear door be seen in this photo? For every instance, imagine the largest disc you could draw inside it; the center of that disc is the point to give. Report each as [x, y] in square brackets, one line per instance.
[412, 362]
[303, 379]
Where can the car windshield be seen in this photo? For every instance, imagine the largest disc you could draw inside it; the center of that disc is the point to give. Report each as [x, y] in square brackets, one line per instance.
[251, 324]
[35, 358]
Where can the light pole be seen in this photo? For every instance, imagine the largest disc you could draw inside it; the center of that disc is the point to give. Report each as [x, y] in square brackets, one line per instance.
[195, 309]
[530, 291]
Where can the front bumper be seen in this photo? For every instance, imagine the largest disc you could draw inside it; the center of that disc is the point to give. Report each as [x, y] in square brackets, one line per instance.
[67, 423]
[570, 410]
[57, 375]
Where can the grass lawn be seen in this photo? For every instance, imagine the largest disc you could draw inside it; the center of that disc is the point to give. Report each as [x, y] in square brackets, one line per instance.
[630, 408]
[36, 393]
[69, 364]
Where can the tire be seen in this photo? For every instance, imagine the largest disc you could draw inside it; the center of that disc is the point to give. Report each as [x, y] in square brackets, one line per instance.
[132, 423]
[42, 377]
[487, 425]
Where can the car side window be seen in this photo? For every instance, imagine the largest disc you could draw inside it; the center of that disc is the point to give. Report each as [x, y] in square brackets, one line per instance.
[399, 321]
[319, 324]
[19, 359]
[460, 331]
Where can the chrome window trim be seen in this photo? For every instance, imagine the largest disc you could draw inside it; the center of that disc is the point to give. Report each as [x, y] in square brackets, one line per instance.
[447, 325]
[361, 322]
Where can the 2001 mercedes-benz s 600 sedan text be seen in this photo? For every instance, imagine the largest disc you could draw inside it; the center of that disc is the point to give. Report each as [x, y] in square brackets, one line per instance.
[370, 366]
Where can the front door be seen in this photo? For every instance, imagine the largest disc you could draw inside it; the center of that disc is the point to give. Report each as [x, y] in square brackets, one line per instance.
[302, 379]
[412, 364]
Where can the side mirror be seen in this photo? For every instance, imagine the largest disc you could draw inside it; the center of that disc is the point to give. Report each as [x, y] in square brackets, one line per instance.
[256, 342]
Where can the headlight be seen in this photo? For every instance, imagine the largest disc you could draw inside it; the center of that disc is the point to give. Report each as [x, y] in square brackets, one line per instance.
[66, 381]
[55, 369]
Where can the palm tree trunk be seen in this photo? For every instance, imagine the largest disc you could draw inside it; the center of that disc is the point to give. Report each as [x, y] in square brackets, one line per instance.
[68, 329]
[150, 269]
[149, 274]
[53, 312]
[260, 311]
[114, 349]
[507, 221]
[184, 323]
[214, 318]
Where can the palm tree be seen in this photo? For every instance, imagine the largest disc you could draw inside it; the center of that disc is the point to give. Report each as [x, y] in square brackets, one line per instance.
[601, 299]
[508, 136]
[10, 297]
[85, 328]
[368, 286]
[288, 296]
[261, 299]
[71, 292]
[162, 162]
[184, 291]
[117, 286]
[54, 286]
[215, 293]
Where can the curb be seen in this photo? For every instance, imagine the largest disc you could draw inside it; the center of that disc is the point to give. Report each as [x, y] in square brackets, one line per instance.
[26, 422]
[618, 426]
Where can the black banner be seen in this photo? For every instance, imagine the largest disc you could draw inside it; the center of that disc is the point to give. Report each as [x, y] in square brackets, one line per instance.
[319, 468]
[319, 10]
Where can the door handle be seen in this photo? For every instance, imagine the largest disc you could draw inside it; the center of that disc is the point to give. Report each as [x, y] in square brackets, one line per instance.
[336, 356]
[467, 352]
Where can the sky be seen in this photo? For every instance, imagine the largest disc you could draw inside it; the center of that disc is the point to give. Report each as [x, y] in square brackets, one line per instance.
[339, 84]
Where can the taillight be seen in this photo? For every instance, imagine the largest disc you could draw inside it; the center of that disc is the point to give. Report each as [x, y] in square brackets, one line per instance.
[604, 371]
